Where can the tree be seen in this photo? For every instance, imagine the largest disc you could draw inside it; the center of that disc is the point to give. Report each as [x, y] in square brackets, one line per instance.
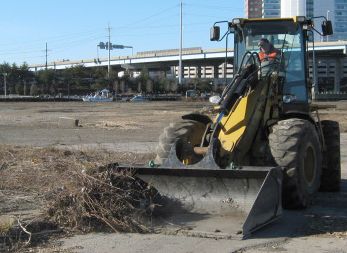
[45, 79]
[19, 88]
[5, 68]
[142, 81]
[99, 84]
[80, 79]
[26, 76]
[16, 76]
[13, 78]
[34, 90]
[65, 81]
[204, 85]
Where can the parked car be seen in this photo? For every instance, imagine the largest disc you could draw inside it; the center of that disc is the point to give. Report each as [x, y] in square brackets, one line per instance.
[138, 98]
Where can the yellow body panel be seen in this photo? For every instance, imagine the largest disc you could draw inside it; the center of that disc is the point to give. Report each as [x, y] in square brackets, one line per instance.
[234, 125]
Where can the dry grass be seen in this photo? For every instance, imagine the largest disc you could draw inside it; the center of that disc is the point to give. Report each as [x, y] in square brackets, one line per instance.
[41, 170]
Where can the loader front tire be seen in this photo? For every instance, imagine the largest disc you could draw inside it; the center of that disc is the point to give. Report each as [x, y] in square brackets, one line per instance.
[295, 145]
[185, 135]
[331, 171]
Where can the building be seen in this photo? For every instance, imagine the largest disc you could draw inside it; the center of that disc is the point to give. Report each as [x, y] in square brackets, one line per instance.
[340, 19]
[336, 11]
[290, 8]
[253, 8]
[309, 8]
[271, 8]
[262, 8]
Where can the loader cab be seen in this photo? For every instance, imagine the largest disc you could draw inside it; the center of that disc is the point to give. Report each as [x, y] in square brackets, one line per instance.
[287, 37]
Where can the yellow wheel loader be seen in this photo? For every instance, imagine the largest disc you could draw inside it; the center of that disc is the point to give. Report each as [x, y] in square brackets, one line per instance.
[264, 148]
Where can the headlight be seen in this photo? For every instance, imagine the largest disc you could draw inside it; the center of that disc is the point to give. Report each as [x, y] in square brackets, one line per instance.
[289, 98]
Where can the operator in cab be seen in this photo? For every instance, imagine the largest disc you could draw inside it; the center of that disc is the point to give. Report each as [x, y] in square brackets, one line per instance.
[269, 56]
[267, 51]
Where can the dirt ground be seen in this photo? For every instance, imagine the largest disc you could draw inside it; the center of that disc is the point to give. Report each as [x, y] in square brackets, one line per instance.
[41, 142]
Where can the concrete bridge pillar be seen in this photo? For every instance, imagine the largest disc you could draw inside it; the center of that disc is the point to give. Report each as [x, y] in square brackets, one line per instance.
[122, 86]
[215, 71]
[203, 72]
[116, 86]
[338, 74]
[173, 71]
[198, 71]
[182, 71]
[149, 86]
[224, 70]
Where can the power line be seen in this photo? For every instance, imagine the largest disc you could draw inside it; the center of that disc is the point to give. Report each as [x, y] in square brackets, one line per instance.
[51, 39]
[34, 49]
[161, 12]
[215, 7]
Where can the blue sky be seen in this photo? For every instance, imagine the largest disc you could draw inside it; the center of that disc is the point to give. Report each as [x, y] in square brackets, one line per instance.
[73, 28]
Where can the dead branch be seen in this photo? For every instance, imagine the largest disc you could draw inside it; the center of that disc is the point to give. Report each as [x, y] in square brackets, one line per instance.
[25, 231]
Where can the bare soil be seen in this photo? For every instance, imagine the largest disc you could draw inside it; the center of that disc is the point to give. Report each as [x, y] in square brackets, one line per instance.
[41, 144]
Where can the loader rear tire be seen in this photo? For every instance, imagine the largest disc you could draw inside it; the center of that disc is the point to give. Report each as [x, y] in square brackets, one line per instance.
[331, 170]
[185, 134]
[295, 145]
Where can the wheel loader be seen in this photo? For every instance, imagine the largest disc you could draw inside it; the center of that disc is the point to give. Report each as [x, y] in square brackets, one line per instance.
[262, 147]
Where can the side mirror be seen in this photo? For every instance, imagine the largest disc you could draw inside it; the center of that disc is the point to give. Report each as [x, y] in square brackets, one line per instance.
[215, 33]
[327, 28]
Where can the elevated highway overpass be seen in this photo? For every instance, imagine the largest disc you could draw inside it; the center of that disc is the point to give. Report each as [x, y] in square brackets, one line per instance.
[331, 60]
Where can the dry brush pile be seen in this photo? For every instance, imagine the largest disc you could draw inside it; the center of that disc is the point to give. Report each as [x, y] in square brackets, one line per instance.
[70, 189]
[106, 199]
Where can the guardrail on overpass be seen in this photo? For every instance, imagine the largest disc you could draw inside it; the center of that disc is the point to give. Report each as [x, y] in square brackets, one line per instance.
[161, 56]
[172, 56]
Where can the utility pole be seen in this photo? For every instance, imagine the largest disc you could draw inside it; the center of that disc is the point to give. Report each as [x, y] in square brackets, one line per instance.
[46, 55]
[181, 43]
[109, 51]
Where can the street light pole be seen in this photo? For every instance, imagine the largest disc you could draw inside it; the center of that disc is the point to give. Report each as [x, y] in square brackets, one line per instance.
[328, 11]
[181, 43]
[109, 52]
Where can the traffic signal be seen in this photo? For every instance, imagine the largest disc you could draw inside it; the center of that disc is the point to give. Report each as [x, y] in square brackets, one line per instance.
[102, 45]
[118, 46]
